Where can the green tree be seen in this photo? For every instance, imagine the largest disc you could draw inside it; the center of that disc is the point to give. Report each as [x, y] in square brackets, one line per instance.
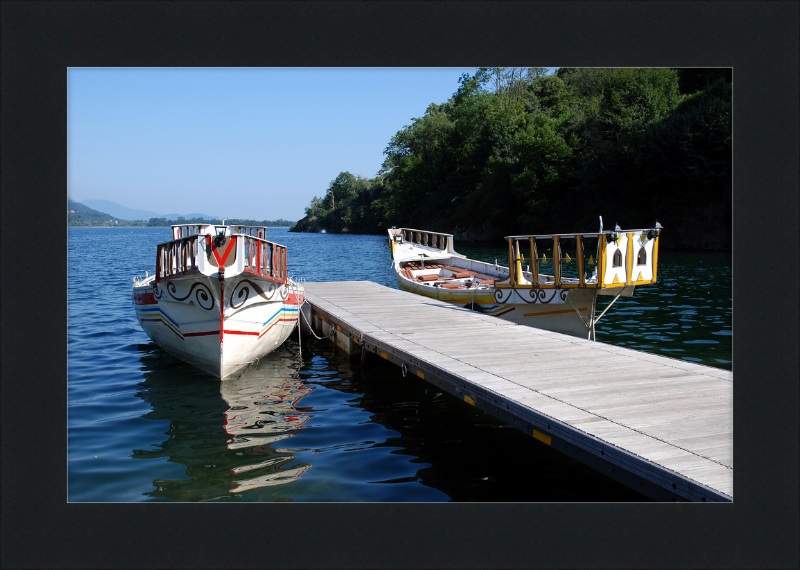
[344, 187]
[532, 152]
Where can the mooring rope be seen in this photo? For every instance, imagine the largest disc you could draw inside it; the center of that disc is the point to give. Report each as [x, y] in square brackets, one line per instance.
[333, 330]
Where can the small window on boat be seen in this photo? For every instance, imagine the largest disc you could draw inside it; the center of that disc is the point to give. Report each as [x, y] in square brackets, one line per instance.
[641, 258]
[617, 261]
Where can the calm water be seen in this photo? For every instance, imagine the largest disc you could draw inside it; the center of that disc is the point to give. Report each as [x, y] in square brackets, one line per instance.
[143, 426]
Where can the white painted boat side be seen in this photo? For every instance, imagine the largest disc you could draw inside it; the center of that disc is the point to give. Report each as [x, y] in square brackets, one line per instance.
[191, 332]
[221, 303]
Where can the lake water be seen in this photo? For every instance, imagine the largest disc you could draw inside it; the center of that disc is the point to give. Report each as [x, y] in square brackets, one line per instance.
[143, 426]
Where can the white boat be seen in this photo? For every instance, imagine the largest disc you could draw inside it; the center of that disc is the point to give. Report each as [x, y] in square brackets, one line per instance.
[220, 298]
[570, 271]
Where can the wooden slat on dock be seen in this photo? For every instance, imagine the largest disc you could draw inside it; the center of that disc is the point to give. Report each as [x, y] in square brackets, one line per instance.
[639, 417]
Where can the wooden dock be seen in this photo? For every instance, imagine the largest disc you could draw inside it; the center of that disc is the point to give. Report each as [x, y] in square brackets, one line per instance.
[659, 425]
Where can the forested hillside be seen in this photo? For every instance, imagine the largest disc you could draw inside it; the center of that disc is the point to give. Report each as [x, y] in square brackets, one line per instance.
[517, 151]
[82, 215]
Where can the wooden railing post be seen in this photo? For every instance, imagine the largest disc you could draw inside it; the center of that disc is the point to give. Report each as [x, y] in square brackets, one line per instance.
[557, 260]
[511, 264]
[629, 256]
[601, 259]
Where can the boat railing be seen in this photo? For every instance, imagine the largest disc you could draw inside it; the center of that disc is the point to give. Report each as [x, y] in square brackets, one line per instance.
[185, 230]
[254, 231]
[599, 260]
[177, 257]
[435, 240]
[264, 258]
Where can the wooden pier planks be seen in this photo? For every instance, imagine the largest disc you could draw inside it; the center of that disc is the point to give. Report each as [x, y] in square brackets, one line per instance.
[667, 421]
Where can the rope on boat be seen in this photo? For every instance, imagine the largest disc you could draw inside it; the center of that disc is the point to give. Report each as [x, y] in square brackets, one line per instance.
[585, 322]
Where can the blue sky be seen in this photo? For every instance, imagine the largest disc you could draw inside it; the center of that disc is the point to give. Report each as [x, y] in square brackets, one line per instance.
[242, 143]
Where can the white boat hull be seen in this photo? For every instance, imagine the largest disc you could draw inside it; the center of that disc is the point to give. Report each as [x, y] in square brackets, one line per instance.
[545, 312]
[218, 327]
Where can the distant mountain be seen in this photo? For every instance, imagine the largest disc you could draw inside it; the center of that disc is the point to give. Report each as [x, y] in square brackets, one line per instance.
[125, 213]
[120, 211]
[81, 215]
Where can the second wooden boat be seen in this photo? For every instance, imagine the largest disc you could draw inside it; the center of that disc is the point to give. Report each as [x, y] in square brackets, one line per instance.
[554, 287]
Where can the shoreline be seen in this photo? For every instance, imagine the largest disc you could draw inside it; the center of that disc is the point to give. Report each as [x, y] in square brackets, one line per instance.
[145, 227]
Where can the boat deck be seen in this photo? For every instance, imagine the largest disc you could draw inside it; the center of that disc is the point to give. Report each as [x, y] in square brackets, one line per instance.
[661, 426]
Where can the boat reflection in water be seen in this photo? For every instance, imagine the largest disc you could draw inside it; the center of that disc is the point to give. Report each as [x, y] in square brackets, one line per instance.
[261, 410]
[223, 431]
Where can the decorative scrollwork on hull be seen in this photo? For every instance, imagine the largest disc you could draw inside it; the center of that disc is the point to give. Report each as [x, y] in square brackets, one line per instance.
[202, 294]
[242, 289]
[537, 296]
[498, 296]
[540, 296]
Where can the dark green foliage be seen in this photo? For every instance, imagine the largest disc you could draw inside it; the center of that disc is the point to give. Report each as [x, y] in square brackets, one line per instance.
[518, 151]
[364, 213]
[692, 80]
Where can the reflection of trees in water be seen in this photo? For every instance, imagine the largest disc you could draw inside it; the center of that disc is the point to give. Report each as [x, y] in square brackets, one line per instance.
[222, 431]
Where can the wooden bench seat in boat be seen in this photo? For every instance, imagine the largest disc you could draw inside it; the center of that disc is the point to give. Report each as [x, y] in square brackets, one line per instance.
[423, 278]
[452, 286]
[460, 273]
[414, 265]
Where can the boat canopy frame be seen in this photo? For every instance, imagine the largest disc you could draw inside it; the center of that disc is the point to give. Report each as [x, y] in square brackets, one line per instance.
[604, 240]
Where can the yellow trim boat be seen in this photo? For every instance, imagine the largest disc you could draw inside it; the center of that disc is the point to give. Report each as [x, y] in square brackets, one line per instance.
[571, 271]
